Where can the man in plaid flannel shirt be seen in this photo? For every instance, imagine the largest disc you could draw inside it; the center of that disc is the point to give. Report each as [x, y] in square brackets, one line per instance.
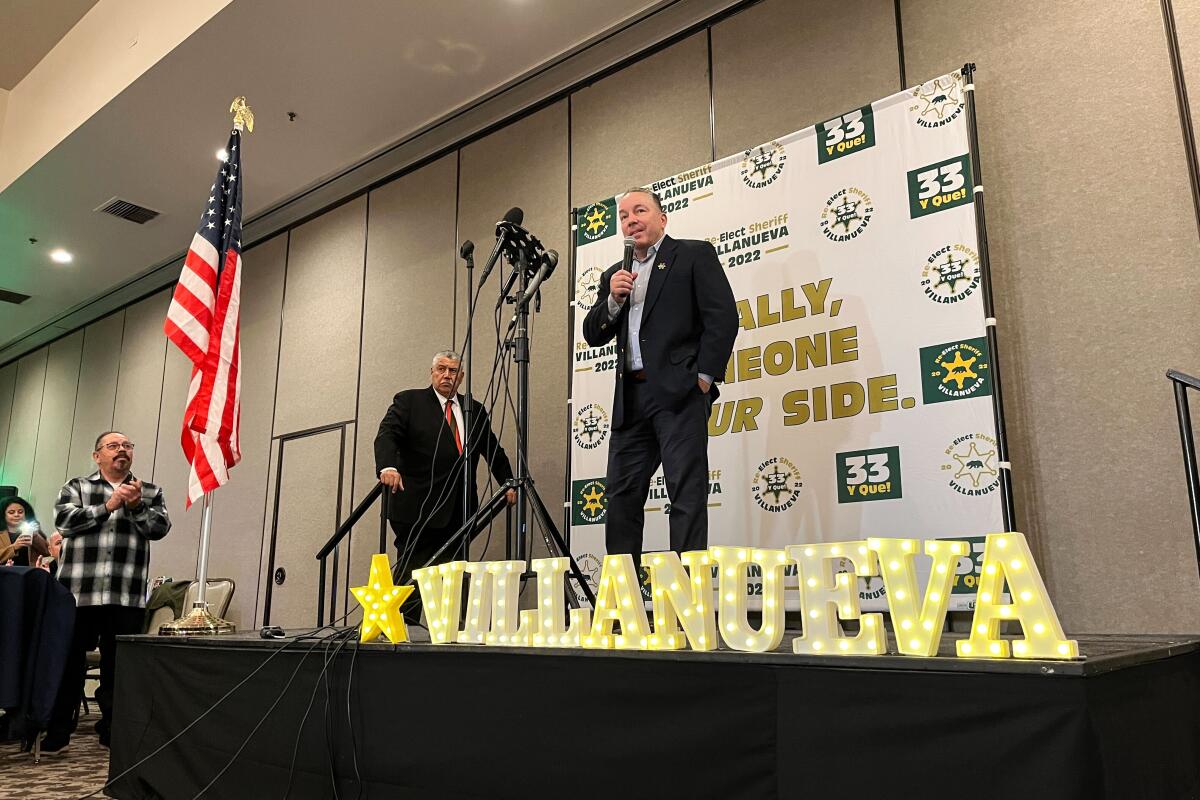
[107, 520]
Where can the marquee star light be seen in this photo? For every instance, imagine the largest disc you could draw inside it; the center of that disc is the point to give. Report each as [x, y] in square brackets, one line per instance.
[682, 597]
[441, 598]
[1006, 558]
[618, 600]
[547, 622]
[735, 628]
[826, 597]
[918, 627]
[381, 600]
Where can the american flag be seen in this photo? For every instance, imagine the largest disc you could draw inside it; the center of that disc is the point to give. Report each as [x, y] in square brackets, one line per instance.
[203, 322]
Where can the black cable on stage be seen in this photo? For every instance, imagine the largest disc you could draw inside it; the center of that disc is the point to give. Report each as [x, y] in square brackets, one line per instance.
[260, 722]
[350, 719]
[308, 709]
[299, 637]
[503, 422]
[490, 396]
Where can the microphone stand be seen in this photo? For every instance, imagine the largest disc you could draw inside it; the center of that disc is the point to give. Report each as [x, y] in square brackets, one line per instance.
[468, 498]
[528, 499]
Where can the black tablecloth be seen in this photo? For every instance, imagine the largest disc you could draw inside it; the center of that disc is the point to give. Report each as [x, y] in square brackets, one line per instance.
[37, 615]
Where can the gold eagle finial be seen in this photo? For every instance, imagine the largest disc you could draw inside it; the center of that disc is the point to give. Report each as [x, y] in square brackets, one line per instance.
[242, 115]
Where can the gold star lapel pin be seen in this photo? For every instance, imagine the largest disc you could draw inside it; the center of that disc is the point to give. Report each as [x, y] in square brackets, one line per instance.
[381, 600]
[662, 265]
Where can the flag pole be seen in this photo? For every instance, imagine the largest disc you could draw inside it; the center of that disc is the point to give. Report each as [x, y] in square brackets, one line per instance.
[200, 621]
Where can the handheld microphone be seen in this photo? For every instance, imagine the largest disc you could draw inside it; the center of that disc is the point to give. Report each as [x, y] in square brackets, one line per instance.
[514, 216]
[627, 261]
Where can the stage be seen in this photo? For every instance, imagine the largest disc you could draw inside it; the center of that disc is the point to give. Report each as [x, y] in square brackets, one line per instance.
[458, 721]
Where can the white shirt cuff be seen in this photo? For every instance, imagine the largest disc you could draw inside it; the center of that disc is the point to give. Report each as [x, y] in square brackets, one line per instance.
[614, 308]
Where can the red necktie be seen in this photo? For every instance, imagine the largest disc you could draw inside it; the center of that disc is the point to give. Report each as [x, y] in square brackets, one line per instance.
[453, 423]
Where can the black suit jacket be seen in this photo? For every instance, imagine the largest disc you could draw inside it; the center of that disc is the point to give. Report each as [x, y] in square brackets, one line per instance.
[415, 439]
[688, 325]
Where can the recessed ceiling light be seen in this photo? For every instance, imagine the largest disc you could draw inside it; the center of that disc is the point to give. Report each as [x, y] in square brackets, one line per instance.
[222, 155]
[60, 256]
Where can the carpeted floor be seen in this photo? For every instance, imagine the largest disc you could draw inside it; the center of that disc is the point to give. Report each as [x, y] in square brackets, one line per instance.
[81, 769]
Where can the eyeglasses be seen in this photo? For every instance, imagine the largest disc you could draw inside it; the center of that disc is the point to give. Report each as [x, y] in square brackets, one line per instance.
[113, 447]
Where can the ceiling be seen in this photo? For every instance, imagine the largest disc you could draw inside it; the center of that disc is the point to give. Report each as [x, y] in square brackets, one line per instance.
[29, 29]
[358, 80]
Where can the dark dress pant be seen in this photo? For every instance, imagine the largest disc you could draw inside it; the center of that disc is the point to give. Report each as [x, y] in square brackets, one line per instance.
[94, 626]
[677, 439]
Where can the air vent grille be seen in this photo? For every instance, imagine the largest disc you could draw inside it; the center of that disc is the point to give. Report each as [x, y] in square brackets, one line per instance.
[12, 297]
[127, 210]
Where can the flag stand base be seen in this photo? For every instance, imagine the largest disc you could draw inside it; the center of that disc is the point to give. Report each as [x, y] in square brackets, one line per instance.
[199, 622]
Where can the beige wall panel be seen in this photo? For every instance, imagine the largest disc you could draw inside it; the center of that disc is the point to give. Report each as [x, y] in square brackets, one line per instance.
[524, 164]
[409, 309]
[1094, 252]
[97, 390]
[26, 414]
[322, 316]
[238, 506]
[140, 378]
[778, 66]
[645, 122]
[54, 431]
[307, 516]
[8, 385]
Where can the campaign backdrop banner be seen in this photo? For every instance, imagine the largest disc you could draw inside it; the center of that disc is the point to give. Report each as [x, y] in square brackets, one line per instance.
[858, 401]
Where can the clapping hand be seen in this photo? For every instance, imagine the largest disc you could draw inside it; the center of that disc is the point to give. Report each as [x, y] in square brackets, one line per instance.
[127, 494]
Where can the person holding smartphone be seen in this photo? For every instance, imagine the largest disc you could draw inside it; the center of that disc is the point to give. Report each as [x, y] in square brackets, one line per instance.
[21, 542]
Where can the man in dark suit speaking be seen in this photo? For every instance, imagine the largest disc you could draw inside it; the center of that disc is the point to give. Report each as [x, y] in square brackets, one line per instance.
[419, 458]
[674, 319]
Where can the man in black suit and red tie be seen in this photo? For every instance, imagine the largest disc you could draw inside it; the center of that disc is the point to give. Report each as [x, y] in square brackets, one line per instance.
[419, 458]
[674, 319]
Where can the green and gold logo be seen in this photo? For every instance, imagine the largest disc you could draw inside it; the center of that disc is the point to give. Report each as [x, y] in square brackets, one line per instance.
[776, 484]
[950, 274]
[938, 102]
[849, 133]
[591, 426]
[762, 165]
[955, 371]
[596, 222]
[939, 186]
[869, 475]
[589, 504]
[972, 465]
[846, 214]
[587, 288]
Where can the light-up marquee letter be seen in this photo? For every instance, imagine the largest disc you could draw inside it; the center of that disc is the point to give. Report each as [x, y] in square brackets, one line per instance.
[826, 596]
[1006, 556]
[619, 600]
[735, 628]
[918, 627]
[682, 598]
